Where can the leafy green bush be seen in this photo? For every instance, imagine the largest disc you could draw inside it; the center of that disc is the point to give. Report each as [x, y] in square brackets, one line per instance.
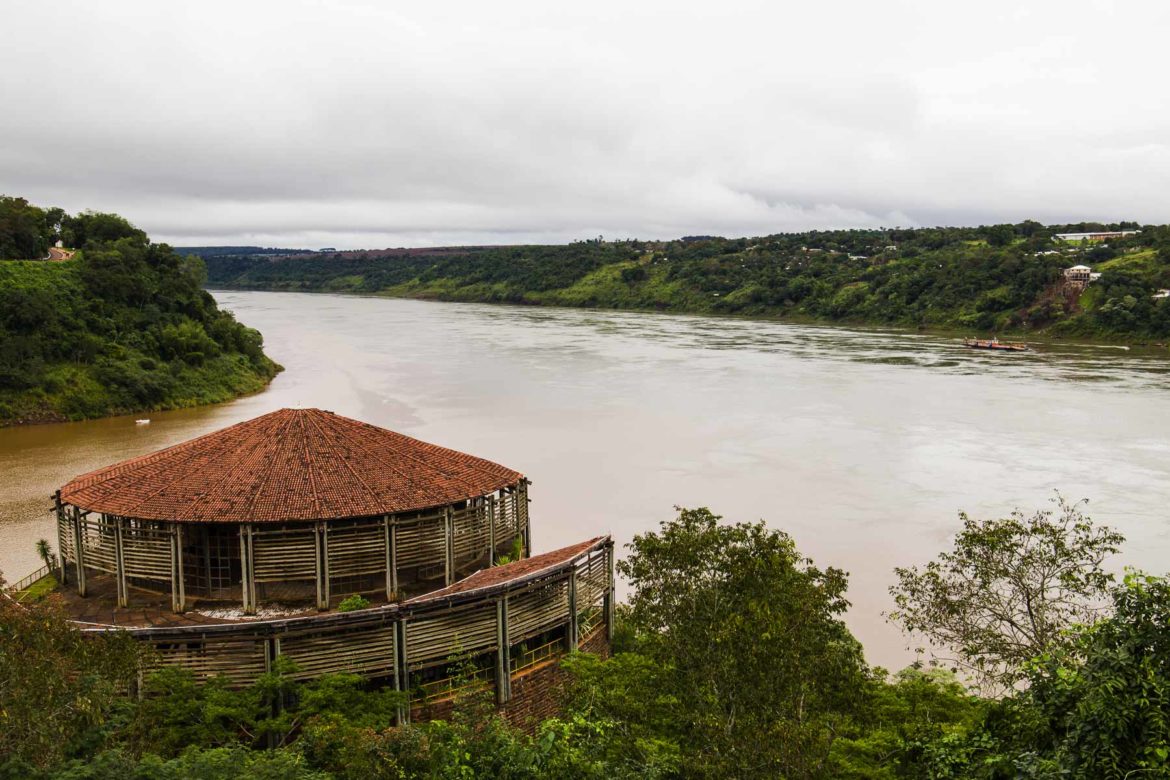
[356, 601]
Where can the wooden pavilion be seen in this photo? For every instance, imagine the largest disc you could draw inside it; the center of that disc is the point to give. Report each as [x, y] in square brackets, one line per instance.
[230, 550]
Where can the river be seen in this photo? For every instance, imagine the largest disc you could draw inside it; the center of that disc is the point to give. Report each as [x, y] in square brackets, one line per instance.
[862, 444]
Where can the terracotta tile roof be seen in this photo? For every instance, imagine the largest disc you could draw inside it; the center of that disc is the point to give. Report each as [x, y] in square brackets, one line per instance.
[293, 464]
[512, 573]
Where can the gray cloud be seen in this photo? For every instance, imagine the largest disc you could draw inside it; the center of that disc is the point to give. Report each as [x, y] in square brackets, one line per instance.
[357, 124]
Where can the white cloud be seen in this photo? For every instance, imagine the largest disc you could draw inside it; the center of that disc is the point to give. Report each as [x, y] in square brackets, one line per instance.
[354, 124]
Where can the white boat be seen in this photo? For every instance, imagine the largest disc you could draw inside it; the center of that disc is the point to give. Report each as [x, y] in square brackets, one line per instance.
[142, 422]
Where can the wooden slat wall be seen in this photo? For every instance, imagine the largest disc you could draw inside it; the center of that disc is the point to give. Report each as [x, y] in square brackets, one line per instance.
[538, 610]
[422, 541]
[146, 550]
[369, 652]
[355, 550]
[592, 580]
[506, 518]
[241, 660]
[97, 539]
[432, 639]
[284, 554]
[434, 632]
[471, 532]
[65, 536]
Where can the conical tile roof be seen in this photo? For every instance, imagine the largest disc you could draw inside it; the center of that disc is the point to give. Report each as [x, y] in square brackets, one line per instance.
[293, 464]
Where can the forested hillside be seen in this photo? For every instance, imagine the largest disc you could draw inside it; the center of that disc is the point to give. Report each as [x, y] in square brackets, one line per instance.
[1001, 278]
[124, 326]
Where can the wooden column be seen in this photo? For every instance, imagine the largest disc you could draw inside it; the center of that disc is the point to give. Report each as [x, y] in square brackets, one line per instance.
[449, 556]
[272, 652]
[178, 586]
[325, 560]
[61, 530]
[522, 516]
[572, 627]
[247, 570]
[119, 560]
[391, 528]
[322, 545]
[503, 659]
[79, 551]
[401, 669]
[609, 592]
[492, 531]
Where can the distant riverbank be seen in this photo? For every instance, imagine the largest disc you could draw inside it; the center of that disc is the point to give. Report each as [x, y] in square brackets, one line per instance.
[1007, 279]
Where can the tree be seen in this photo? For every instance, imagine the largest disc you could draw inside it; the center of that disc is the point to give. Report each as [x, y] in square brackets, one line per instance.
[749, 642]
[1106, 695]
[1008, 589]
[45, 552]
[55, 684]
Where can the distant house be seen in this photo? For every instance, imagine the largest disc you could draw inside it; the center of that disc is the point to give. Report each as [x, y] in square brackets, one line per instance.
[1080, 276]
[1103, 235]
[327, 249]
[1161, 294]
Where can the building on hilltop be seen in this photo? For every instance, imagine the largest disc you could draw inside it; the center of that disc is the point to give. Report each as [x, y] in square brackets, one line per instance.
[1101, 235]
[232, 550]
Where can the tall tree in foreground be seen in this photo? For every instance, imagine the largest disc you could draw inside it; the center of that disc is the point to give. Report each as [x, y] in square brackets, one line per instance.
[55, 684]
[1008, 589]
[749, 639]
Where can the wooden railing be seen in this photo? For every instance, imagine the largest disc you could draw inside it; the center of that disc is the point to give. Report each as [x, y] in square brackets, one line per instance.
[26, 582]
[538, 655]
[456, 684]
[589, 620]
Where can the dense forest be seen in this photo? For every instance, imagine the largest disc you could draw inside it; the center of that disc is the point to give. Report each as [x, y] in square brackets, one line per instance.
[992, 279]
[123, 326]
[731, 660]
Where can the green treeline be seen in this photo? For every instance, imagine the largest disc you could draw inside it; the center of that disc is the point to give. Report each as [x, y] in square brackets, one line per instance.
[731, 660]
[124, 326]
[1001, 278]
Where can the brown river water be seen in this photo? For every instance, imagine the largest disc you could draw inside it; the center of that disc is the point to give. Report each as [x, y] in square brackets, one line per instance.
[862, 444]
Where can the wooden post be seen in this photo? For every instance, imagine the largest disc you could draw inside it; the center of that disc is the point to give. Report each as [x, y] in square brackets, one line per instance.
[492, 531]
[449, 557]
[178, 586]
[325, 560]
[572, 627]
[401, 670]
[248, 578]
[61, 559]
[271, 653]
[391, 528]
[609, 592]
[322, 548]
[522, 506]
[119, 560]
[79, 551]
[503, 659]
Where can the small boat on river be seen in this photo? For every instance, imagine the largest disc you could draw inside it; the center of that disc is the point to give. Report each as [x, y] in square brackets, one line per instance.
[994, 343]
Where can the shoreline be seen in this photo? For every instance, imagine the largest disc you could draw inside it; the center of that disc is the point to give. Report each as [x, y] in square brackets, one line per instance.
[54, 418]
[1042, 337]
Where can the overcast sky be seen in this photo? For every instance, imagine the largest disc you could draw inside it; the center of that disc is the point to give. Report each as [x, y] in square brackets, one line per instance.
[374, 124]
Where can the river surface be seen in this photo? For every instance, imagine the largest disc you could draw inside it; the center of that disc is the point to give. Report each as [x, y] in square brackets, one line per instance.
[862, 444]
